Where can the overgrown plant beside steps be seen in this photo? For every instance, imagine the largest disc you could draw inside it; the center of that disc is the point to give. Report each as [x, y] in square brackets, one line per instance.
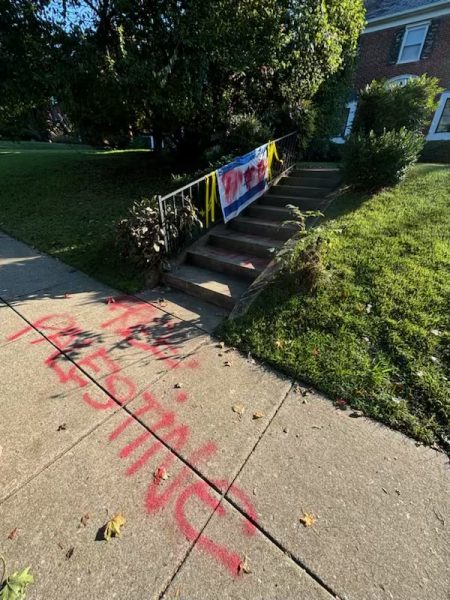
[141, 237]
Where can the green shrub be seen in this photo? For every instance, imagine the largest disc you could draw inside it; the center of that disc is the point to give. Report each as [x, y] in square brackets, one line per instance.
[140, 238]
[374, 161]
[387, 107]
[245, 133]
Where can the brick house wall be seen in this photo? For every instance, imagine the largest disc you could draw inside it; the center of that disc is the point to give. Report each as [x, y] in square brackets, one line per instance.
[376, 49]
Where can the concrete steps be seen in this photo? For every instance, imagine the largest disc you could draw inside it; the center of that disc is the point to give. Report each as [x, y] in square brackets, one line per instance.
[221, 266]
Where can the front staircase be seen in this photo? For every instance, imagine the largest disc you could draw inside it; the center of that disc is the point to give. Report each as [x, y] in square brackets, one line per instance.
[223, 264]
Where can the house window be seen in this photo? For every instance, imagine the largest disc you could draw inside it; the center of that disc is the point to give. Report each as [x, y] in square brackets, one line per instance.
[413, 41]
[444, 121]
[440, 126]
[400, 81]
[348, 118]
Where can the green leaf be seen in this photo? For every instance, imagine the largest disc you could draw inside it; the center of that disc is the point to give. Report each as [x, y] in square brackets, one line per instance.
[15, 585]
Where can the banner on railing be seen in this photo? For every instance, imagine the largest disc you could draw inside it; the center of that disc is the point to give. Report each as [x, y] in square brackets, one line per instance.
[243, 181]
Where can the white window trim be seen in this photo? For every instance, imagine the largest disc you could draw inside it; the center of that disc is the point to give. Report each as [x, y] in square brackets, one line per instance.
[433, 135]
[405, 35]
[340, 139]
[397, 78]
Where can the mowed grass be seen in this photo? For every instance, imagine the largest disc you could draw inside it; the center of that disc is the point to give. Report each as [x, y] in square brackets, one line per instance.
[66, 201]
[376, 334]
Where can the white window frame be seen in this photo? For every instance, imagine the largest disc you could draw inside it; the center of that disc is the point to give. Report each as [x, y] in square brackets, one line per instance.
[433, 135]
[340, 139]
[395, 80]
[425, 24]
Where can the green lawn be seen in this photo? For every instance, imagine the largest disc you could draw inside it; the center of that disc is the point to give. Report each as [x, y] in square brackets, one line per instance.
[376, 333]
[66, 200]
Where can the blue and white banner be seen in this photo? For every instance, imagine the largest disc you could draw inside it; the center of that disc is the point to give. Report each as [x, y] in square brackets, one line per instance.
[242, 181]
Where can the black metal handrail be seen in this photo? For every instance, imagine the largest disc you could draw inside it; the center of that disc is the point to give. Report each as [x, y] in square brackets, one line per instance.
[195, 192]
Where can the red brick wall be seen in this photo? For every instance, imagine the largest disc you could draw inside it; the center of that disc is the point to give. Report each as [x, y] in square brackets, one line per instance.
[375, 51]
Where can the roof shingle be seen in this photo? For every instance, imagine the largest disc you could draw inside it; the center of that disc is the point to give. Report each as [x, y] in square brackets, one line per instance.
[384, 8]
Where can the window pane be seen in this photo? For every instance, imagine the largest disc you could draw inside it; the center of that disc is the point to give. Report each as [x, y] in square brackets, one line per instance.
[411, 53]
[415, 36]
[444, 123]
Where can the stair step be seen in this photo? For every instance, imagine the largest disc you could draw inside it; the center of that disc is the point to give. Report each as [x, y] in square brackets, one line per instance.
[216, 288]
[271, 213]
[317, 172]
[254, 244]
[223, 260]
[302, 203]
[304, 191]
[325, 183]
[273, 229]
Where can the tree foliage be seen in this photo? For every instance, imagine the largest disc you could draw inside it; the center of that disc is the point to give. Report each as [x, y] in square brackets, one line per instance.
[186, 68]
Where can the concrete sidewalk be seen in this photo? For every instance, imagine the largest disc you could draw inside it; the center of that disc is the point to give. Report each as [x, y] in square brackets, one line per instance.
[100, 390]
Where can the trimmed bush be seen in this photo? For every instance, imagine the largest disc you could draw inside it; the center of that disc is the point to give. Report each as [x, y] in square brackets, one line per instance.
[374, 161]
[387, 107]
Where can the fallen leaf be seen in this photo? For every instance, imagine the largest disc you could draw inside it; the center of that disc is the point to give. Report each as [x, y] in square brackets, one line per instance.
[113, 526]
[69, 553]
[227, 363]
[315, 352]
[177, 386]
[160, 474]
[308, 520]
[221, 345]
[110, 300]
[67, 296]
[13, 534]
[238, 409]
[162, 302]
[230, 349]
[16, 584]
[62, 427]
[279, 343]
[85, 519]
[258, 415]
[244, 566]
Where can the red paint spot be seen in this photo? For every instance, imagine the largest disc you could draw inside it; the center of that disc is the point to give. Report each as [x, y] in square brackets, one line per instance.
[133, 313]
[182, 397]
[193, 364]
[231, 184]
[231, 560]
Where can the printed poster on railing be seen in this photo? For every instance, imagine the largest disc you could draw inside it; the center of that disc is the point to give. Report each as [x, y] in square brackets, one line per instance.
[242, 181]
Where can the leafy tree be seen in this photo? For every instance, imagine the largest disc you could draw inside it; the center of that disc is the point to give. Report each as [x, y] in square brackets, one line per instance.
[189, 68]
[25, 83]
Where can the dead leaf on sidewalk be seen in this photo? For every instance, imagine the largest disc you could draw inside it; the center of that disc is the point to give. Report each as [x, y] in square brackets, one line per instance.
[227, 363]
[69, 553]
[113, 526]
[177, 386]
[244, 566]
[62, 427]
[160, 474]
[221, 345]
[258, 415]
[307, 520]
[238, 409]
[13, 534]
[84, 520]
[162, 302]
[110, 300]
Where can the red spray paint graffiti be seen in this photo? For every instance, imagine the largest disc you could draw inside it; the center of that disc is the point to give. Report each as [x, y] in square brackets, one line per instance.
[131, 321]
